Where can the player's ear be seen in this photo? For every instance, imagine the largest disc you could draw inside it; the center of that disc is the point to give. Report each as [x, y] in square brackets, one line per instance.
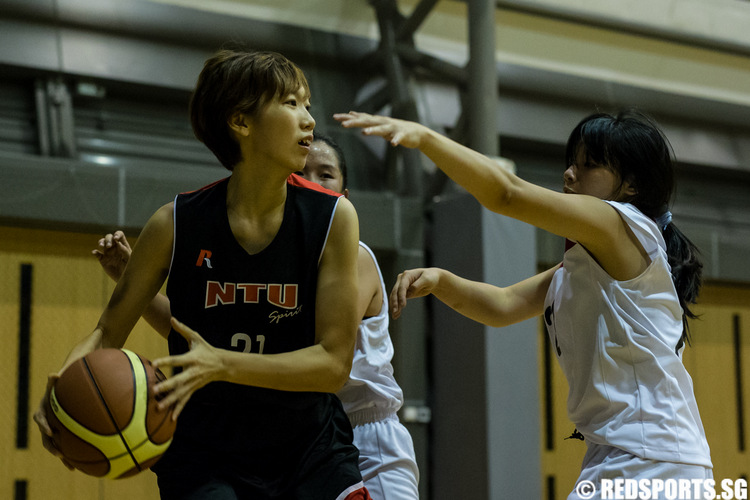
[629, 189]
[239, 123]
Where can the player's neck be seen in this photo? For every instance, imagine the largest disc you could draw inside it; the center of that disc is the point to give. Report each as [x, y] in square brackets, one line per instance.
[255, 211]
[256, 194]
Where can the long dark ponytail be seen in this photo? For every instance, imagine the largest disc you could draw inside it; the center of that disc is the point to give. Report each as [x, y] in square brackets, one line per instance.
[687, 274]
[634, 145]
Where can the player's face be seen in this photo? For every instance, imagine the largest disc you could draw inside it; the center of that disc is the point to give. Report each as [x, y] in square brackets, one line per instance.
[283, 130]
[322, 167]
[586, 177]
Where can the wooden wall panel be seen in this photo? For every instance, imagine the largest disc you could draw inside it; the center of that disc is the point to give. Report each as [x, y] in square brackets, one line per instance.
[9, 308]
[69, 292]
[723, 398]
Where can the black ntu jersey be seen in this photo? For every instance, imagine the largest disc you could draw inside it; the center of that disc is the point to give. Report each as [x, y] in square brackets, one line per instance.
[265, 442]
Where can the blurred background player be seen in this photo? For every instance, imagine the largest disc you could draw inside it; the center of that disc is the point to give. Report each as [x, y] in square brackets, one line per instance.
[371, 397]
[258, 417]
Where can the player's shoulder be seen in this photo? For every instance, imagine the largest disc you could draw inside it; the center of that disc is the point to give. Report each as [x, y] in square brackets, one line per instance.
[164, 214]
[368, 263]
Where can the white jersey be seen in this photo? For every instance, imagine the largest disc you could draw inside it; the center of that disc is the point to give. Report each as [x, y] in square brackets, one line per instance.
[371, 398]
[371, 385]
[615, 342]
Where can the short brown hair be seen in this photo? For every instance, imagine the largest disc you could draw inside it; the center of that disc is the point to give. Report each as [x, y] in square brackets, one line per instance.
[238, 81]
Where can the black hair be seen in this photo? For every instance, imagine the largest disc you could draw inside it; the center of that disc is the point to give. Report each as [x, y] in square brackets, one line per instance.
[237, 80]
[339, 154]
[632, 144]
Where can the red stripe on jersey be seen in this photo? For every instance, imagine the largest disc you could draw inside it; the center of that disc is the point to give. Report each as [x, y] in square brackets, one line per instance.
[296, 180]
[360, 494]
[206, 187]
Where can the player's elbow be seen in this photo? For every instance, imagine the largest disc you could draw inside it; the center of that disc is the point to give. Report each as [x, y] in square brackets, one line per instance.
[498, 198]
[339, 374]
[497, 322]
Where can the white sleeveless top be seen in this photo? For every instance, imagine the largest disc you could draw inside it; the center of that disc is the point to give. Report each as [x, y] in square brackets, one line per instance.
[615, 341]
[371, 385]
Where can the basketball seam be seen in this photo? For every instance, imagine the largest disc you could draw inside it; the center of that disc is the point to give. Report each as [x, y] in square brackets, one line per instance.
[109, 411]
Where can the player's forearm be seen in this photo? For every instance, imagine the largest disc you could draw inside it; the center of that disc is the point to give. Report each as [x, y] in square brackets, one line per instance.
[310, 369]
[85, 346]
[481, 176]
[492, 305]
[475, 300]
[158, 314]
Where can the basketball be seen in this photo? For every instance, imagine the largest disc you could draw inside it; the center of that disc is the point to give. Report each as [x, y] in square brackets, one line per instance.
[104, 416]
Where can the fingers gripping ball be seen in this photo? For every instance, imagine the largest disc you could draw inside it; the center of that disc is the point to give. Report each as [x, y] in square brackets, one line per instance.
[104, 415]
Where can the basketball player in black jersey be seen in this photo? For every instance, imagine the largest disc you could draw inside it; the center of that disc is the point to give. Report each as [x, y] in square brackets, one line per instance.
[372, 396]
[253, 263]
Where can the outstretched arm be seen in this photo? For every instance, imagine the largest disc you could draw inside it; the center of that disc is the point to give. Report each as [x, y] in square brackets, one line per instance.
[482, 302]
[585, 219]
[477, 173]
[113, 253]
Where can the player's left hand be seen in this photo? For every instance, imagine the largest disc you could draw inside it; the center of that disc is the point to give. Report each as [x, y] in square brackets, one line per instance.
[201, 365]
[113, 253]
[411, 284]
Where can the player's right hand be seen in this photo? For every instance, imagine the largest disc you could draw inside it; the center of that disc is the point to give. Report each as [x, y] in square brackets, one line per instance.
[113, 252]
[40, 417]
